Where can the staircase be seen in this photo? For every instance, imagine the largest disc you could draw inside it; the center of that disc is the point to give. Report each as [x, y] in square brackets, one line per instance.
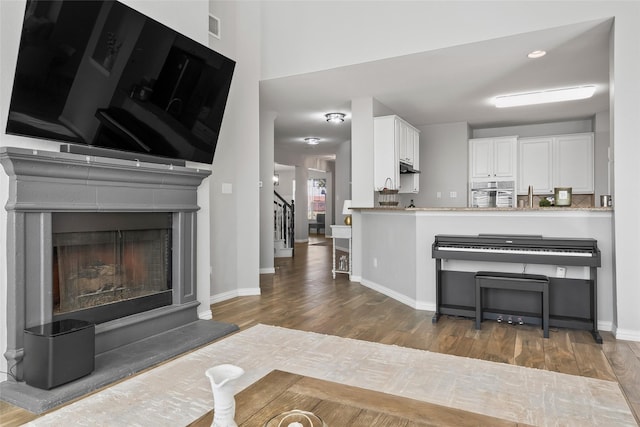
[283, 227]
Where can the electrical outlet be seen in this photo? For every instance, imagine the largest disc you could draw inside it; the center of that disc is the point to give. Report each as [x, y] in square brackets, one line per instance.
[438, 194]
[561, 271]
[453, 194]
[375, 263]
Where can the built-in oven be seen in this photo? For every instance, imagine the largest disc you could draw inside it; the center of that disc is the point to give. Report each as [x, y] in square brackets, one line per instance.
[492, 194]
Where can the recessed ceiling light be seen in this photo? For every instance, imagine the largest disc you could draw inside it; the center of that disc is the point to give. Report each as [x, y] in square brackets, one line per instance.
[544, 96]
[312, 141]
[536, 54]
[335, 117]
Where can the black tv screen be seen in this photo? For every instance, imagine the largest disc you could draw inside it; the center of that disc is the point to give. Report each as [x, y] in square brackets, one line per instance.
[100, 74]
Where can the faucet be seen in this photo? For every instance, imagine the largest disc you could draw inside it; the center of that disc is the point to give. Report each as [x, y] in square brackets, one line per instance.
[171, 102]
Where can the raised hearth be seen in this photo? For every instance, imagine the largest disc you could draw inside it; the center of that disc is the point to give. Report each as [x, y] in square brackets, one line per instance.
[45, 184]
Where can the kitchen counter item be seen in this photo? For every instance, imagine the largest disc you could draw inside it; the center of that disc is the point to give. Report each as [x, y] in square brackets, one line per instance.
[388, 196]
[562, 196]
[605, 201]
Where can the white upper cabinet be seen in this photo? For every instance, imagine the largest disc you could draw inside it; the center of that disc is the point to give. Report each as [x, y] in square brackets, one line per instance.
[573, 162]
[395, 141]
[407, 142]
[535, 165]
[557, 161]
[386, 155]
[493, 157]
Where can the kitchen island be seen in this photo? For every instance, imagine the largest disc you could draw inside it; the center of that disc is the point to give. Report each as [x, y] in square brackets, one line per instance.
[392, 247]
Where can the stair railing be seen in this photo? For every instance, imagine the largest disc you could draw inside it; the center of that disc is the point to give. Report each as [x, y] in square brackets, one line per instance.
[284, 221]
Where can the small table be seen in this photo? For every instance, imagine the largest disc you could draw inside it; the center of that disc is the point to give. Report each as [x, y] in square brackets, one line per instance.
[340, 405]
[341, 232]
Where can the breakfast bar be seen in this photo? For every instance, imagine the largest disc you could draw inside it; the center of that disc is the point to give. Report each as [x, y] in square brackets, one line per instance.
[392, 251]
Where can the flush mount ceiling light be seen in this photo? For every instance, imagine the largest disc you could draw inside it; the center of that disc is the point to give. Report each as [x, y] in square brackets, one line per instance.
[334, 117]
[536, 54]
[312, 141]
[544, 96]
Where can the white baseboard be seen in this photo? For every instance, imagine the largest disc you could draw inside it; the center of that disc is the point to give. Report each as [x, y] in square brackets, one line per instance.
[205, 315]
[269, 270]
[242, 292]
[418, 305]
[627, 335]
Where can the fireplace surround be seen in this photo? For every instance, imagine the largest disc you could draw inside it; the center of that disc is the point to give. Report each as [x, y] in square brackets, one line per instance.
[44, 184]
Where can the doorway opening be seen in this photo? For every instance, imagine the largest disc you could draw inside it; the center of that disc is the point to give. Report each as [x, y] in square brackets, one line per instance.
[316, 204]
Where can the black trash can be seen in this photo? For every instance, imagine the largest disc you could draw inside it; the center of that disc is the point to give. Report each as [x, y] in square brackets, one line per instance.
[58, 352]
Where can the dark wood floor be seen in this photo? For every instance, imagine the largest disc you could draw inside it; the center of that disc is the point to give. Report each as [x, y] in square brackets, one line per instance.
[302, 295]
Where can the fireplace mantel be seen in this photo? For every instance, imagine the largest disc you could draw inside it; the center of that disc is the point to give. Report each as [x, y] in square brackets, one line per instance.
[44, 182]
[52, 181]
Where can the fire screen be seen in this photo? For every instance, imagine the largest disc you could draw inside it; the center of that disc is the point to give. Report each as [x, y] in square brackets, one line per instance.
[97, 270]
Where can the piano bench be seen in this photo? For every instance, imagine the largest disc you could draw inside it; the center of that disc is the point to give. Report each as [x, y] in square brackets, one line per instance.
[513, 281]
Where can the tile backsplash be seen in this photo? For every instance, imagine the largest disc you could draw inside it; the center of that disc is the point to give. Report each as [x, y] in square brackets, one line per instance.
[577, 200]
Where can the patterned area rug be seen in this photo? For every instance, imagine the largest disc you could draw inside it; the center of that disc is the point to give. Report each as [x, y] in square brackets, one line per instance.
[178, 392]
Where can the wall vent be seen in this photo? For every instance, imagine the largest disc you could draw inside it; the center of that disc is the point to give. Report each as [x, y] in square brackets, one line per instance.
[214, 26]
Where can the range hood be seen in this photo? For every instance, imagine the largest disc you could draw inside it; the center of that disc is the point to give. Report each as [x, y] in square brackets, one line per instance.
[407, 168]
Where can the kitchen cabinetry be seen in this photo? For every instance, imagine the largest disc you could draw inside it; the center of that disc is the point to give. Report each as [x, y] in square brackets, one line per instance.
[535, 165]
[395, 141]
[557, 161]
[573, 163]
[493, 157]
[408, 143]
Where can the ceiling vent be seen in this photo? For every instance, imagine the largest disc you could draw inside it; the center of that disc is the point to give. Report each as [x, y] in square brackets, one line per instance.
[214, 26]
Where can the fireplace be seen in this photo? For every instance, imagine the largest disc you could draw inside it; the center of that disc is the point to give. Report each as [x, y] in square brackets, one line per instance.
[110, 265]
[111, 241]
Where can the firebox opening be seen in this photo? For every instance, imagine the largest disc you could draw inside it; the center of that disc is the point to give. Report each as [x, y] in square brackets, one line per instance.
[110, 265]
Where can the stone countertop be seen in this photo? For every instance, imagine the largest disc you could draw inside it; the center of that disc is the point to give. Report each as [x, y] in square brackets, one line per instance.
[465, 209]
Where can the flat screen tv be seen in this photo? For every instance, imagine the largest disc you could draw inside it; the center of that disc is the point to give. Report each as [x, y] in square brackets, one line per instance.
[98, 74]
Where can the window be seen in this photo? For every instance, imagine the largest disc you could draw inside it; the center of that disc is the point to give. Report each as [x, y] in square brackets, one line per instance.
[316, 194]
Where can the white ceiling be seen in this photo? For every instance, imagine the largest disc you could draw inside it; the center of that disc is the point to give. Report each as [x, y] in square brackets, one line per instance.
[447, 85]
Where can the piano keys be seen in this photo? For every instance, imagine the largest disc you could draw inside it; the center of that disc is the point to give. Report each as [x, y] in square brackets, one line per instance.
[526, 249]
[573, 302]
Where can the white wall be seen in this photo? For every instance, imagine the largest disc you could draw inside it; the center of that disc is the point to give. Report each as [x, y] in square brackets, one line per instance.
[539, 129]
[301, 221]
[285, 183]
[412, 27]
[443, 165]
[343, 179]
[602, 133]
[235, 216]
[362, 191]
[267, 123]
